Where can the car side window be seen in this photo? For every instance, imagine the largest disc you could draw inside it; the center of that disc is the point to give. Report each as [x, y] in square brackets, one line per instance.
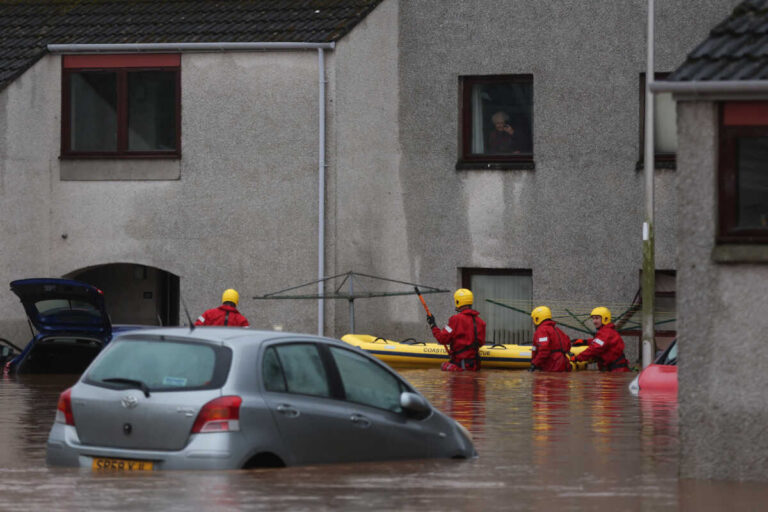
[366, 382]
[272, 372]
[301, 367]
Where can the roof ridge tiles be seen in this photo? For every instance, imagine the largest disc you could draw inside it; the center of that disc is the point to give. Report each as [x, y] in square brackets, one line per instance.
[732, 48]
[27, 26]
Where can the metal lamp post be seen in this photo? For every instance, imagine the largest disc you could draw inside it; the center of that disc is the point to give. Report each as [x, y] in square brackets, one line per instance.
[649, 164]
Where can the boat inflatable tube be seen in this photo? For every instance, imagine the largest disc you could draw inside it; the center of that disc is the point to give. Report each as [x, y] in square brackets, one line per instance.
[411, 352]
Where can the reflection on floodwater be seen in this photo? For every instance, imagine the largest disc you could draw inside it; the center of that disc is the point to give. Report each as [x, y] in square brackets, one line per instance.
[560, 442]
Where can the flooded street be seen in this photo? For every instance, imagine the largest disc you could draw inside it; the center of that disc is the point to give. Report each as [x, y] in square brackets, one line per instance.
[546, 442]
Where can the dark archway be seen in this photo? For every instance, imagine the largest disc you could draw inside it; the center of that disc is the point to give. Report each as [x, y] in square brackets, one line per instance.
[135, 294]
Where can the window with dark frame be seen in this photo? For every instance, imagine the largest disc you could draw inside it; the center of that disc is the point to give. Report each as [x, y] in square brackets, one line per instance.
[121, 106]
[510, 286]
[664, 127]
[743, 172]
[664, 310]
[496, 122]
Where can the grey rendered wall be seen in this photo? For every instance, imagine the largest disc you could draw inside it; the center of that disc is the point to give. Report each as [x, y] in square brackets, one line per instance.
[576, 220]
[241, 214]
[723, 317]
[371, 229]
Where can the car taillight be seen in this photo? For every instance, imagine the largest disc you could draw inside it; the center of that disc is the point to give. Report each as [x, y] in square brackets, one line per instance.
[64, 408]
[219, 415]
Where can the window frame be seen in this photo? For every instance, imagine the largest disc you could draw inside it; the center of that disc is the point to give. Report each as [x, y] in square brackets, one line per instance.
[657, 294]
[661, 160]
[403, 387]
[727, 178]
[335, 386]
[333, 375]
[469, 161]
[121, 65]
[466, 282]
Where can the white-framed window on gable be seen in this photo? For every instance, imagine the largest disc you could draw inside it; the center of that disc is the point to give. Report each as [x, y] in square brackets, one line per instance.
[664, 126]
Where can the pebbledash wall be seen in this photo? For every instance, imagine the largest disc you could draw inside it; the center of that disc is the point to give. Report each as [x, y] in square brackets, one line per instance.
[403, 210]
[243, 209]
[723, 320]
[240, 212]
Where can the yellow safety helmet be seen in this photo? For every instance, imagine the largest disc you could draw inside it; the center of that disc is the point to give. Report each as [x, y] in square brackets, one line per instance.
[230, 295]
[463, 297]
[540, 314]
[603, 313]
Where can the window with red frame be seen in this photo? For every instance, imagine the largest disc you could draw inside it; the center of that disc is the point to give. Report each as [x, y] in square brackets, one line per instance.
[121, 106]
[743, 173]
[496, 122]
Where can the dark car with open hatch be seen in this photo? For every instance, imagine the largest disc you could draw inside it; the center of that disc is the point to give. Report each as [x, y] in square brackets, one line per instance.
[70, 327]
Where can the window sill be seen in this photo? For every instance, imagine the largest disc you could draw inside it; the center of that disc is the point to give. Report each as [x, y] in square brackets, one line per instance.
[121, 156]
[119, 169]
[529, 165]
[740, 253]
[660, 165]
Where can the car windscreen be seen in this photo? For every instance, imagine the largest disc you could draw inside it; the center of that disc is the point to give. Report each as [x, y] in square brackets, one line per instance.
[669, 356]
[161, 365]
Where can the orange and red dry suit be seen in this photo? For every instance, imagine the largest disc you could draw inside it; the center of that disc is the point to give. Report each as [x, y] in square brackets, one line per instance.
[463, 336]
[223, 315]
[607, 348]
[550, 348]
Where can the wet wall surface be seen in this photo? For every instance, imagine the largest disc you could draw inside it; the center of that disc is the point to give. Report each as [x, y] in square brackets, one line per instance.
[546, 442]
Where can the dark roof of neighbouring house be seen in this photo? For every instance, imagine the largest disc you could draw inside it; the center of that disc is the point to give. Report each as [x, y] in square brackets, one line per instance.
[27, 26]
[736, 49]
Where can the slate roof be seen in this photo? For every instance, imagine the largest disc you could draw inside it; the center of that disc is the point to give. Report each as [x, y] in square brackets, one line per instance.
[27, 26]
[736, 49]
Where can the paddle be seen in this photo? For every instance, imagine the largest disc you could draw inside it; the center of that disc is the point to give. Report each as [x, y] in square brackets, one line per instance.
[426, 308]
[423, 302]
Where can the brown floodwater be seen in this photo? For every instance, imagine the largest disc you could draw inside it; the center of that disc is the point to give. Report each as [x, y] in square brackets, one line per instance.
[545, 441]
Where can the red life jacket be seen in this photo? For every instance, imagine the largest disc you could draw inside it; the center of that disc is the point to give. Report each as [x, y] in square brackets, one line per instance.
[463, 336]
[223, 315]
[607, 348]
[550, 348]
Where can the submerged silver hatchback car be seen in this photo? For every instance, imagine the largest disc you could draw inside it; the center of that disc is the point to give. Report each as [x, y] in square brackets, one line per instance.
[228, 398]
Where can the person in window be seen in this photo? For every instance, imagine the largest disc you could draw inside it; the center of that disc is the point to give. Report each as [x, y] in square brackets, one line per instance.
[463, 336]
[503, 138]
[226, 314]
[607, 347]
[550, 344]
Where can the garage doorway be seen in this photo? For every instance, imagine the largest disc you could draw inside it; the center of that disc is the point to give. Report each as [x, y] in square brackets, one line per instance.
[135, 294]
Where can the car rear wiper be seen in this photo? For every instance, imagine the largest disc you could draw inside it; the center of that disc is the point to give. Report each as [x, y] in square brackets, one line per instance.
[131, 382]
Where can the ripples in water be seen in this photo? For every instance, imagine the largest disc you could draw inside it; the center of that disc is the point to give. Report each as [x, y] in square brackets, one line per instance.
[546, 441]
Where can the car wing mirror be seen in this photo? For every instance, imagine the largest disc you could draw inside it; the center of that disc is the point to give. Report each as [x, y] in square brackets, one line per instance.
[414, 404]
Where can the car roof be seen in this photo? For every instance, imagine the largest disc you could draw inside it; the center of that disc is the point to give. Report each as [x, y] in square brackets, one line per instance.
[230, 336]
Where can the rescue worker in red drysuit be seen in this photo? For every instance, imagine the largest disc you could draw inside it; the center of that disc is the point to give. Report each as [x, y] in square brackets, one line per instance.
[463, 336]
[226, 314]
[607, 347]
[550, 345]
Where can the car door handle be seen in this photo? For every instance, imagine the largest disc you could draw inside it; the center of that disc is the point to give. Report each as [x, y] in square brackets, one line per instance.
[287, 410]
[360, 420]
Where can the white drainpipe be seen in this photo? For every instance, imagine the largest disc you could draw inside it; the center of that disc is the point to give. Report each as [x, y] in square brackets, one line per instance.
[228, 47]
[321, 192]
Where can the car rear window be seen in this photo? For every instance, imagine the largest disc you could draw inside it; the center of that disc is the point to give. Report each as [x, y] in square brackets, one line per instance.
[68, 311]
[162, 365]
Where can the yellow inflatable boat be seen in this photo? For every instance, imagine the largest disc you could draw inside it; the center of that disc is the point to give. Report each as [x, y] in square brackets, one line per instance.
[418, 353]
